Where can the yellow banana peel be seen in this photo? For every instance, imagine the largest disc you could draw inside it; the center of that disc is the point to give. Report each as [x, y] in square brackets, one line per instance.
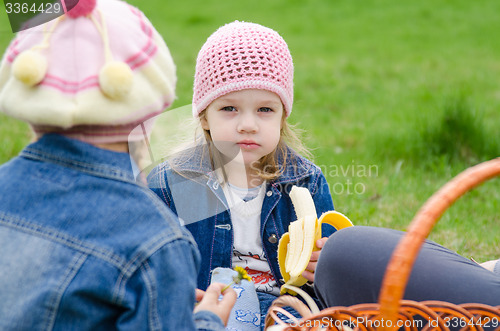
[296, 246]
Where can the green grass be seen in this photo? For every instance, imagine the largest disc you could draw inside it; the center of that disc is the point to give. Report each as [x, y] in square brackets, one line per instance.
[408, 89]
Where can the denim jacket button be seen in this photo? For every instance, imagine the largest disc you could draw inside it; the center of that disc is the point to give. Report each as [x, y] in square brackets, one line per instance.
[215, 185]
[273, 239]
[269, 193]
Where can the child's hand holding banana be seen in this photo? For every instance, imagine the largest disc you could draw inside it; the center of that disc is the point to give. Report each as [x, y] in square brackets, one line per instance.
[299, 248]
[311, 266]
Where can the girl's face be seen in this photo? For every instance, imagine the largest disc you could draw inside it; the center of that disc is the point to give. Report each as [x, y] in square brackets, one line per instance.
[245, 125]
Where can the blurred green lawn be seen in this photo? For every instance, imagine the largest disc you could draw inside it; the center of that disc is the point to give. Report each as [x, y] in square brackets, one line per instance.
[395, 98]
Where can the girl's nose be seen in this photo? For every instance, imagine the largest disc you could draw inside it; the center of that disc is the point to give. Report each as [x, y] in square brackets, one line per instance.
[247, 123]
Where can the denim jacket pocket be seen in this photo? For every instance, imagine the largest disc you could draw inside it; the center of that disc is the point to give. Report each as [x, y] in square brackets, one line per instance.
[42, 283]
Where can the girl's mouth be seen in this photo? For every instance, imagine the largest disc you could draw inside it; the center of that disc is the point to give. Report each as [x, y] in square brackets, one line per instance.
[248, 144]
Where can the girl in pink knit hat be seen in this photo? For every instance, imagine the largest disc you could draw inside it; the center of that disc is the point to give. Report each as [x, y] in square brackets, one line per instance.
[231, 189]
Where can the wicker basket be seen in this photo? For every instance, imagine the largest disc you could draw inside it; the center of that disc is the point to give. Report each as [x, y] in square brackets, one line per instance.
[391, 311]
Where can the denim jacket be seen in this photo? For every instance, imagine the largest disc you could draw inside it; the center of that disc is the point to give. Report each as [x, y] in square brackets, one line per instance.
[84, 247]
[195, 195]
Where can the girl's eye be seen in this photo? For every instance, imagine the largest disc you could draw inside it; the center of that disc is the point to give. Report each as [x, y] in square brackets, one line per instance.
[228, 108]
[265, 110]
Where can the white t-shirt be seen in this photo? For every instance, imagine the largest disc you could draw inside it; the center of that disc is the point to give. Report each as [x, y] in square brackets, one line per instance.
[245, 208]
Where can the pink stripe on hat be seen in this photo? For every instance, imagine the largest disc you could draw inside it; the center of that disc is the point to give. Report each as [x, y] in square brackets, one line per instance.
[239, 56]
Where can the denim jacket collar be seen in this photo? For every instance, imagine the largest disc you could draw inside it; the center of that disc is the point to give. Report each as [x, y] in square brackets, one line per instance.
[81, 156]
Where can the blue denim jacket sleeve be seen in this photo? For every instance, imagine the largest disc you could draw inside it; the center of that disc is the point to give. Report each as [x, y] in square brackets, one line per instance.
[207, 321]
[165, 292]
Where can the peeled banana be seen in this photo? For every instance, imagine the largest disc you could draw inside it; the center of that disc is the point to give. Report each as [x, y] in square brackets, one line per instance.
[296, 246]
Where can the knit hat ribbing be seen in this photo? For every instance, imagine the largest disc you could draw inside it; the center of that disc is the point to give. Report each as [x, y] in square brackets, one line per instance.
[239, 56]
[107, 70]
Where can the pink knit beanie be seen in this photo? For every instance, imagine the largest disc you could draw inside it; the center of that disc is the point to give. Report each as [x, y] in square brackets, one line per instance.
[93, 74]
[240, 56]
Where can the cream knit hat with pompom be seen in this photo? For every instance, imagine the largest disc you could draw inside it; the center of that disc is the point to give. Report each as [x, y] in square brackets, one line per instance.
[93, 74]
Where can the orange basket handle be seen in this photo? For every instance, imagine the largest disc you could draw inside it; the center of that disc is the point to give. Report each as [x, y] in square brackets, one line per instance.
[405, 253]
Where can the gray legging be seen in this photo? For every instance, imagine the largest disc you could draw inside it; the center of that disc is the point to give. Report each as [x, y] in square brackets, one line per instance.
[353, 262]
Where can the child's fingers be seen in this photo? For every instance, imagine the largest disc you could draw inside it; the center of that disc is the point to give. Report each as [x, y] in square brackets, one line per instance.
[311, 266]
[210, 301]
[308, 275]
[314, 256]
[199, 294]
[321, 242]
[228, 299]
[213, 292]
[313, 261]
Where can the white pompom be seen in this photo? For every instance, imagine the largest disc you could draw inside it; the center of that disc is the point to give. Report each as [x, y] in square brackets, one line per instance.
[116, 79]
[30, 67]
